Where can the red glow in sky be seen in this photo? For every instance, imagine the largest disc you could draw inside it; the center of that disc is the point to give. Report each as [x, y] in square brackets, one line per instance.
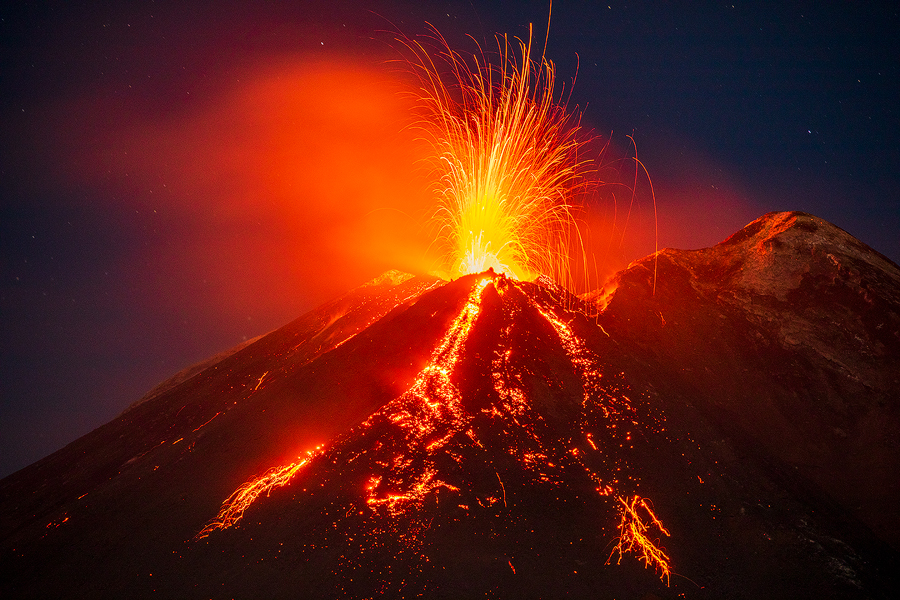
[303, 178]
[300, 180]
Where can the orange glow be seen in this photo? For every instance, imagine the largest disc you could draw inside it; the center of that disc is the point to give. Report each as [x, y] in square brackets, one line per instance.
[294, 182]
[506, 155]
[633, 535]
[700, 203]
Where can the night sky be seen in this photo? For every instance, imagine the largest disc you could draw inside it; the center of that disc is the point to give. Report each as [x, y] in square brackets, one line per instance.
[178, 177]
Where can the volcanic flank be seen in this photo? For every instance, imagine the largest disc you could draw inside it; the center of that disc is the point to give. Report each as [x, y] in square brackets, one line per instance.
[725, 427]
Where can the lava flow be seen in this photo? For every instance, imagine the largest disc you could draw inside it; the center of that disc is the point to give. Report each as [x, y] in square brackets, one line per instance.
[633, 535]
[471, 437]
[233, 508]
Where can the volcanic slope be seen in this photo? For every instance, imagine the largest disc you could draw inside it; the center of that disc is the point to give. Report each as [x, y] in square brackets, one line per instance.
[787, 335]
[483, 437]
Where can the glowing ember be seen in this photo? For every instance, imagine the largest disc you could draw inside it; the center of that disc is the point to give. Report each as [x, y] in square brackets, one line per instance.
[397, 504]
[507, 160]
[633, 535]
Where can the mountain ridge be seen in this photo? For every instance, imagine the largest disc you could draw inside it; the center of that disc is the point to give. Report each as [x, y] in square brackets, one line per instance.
[827, 322]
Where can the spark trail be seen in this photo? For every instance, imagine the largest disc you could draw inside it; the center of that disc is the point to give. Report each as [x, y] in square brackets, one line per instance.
[506, 157]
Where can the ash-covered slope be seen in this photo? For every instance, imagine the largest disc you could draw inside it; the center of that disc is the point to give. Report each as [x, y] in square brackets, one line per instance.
[788, 335]
[482, 437]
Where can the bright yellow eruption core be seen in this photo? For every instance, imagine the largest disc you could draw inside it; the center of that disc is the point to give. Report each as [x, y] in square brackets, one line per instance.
[485, 239]
[506, 159]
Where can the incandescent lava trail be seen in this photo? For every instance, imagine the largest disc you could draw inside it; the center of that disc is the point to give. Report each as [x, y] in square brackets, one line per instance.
[474, 410]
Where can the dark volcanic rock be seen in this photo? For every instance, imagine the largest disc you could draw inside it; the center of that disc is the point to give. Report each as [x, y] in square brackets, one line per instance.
[484, 443]
[789, 333]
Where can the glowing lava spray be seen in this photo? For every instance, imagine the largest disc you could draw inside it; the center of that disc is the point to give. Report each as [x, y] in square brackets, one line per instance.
[506, 159]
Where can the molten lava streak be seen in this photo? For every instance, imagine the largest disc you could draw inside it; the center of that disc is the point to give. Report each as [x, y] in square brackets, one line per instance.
[506, 159]
[233, 508]
[633, 535]
[429, 414]
[432, 400]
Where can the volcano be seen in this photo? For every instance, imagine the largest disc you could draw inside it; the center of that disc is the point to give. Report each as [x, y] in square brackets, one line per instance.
[717, 423]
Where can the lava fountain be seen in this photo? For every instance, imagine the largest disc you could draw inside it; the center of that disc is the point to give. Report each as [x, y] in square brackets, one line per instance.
[506, 159]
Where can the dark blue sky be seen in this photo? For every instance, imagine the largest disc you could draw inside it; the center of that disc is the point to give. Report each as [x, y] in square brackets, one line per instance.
[114, 276]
